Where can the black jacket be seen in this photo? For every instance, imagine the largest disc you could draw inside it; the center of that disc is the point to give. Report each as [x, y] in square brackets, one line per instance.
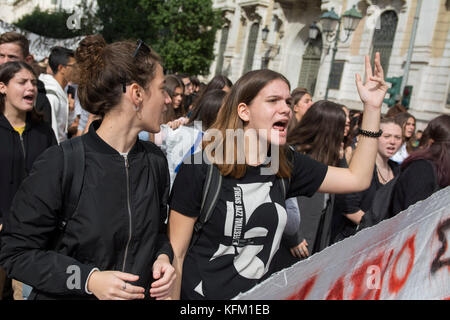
[43, 106]
[14, 166]
[342, 227]
[417, 182]
[119, 223]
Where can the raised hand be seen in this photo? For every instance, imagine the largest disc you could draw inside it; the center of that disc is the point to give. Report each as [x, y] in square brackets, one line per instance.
[374, 90]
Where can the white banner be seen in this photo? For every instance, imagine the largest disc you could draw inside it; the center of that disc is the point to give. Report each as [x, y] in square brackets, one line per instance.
[40, 46]
[405, 257]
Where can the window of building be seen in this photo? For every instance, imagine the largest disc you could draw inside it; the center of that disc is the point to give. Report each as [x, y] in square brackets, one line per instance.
[311, 64]
[336, 74]
[251, 47]
[383, 38]
[222, 47]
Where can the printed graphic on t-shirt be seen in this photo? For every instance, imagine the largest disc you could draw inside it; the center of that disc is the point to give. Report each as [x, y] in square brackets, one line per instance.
[251, 230]
[250, 200]
[238, 245]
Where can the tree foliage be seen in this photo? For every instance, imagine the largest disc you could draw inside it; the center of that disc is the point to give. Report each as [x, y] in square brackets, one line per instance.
[47, 24]
[187, 34]
[122, 20]
[54, 24]
[181, 31]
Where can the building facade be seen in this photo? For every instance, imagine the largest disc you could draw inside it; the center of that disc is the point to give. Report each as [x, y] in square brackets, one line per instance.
[13, 10]
[275, 34]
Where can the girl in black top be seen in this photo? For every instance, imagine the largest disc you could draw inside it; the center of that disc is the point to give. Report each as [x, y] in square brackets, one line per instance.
[427, 169]
[319, 135]
[237, 247]
[114, 245]
[23, 134]
[350, 208]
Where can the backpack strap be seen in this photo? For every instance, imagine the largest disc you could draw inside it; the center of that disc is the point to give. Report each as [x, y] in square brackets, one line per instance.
[72, 180]
[159, 169]
[211, 191]
[285, 182]
[284, 186]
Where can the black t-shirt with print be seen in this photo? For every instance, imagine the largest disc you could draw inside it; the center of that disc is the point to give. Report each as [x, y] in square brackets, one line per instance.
[250, 209]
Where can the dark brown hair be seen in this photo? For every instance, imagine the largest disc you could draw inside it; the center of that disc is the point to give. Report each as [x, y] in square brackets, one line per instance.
[17, 38]
[172, 83]
[296, 95]
[217, 82]
[320, 132]
[401, 119]
[438, 152]
[207, 108]
[7, 71]
[104, 69]
[395, 110]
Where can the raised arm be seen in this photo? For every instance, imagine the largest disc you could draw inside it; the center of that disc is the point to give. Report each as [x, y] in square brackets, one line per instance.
[359, 174]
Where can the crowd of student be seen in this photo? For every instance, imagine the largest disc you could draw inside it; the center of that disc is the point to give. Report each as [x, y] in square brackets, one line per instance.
[120, 182]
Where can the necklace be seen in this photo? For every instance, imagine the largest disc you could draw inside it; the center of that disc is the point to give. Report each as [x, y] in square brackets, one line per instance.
[384, 181]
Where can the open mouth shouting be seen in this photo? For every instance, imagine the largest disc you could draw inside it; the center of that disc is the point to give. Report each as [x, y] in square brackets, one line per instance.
[281, 127]
[29, 99]
[391, 150]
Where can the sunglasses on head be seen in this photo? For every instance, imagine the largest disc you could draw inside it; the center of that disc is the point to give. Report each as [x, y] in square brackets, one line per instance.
[141, 48]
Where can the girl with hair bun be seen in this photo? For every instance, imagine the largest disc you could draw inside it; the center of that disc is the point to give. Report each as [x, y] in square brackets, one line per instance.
[114, 244]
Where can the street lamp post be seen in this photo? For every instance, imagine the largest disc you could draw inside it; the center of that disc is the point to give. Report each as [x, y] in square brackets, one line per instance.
[329, 20]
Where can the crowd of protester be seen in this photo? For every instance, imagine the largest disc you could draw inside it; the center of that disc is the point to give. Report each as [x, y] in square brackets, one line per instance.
[101, 175]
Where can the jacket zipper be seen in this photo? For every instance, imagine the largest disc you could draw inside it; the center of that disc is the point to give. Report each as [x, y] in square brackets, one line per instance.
[127, 165]
[23, 146]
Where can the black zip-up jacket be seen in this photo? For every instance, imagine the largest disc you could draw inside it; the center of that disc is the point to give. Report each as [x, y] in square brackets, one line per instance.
[17, 155]
[42, 104]
[119, 223]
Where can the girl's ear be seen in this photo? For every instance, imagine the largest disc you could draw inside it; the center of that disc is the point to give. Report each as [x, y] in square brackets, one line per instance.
[136, 94]
[243, 112]
[2, 88]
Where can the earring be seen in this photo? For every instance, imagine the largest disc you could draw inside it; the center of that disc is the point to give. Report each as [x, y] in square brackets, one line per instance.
[136, 108]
